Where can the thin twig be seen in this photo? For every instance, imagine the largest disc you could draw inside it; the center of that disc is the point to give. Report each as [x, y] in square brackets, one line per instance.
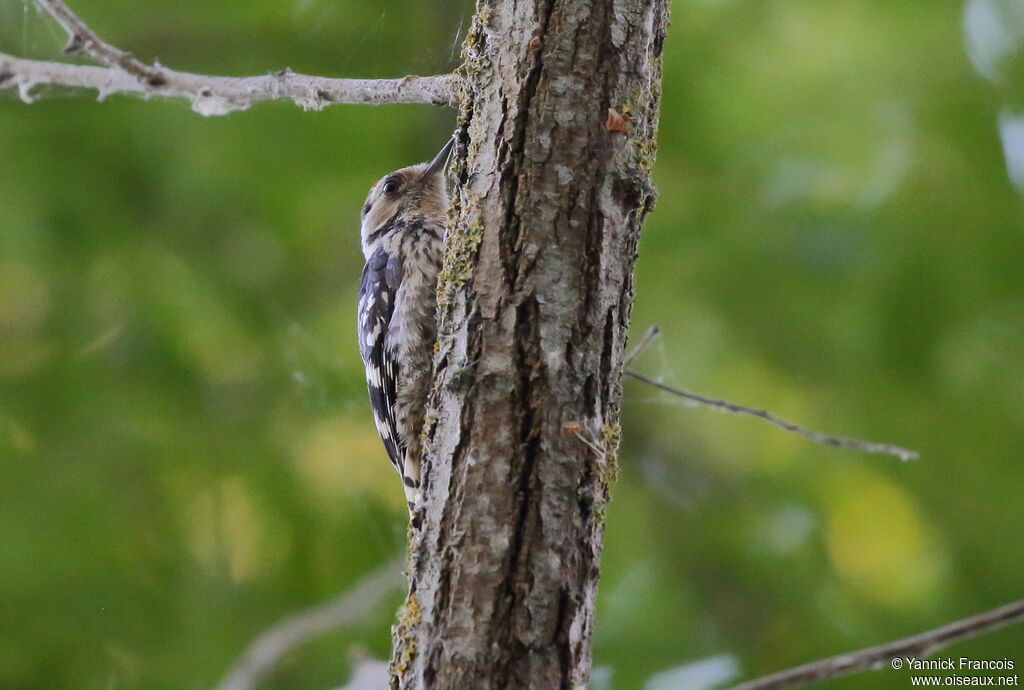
[265, 651]
[649, 336]
[881, 656]
[83, 39]
[210, 95]
[591, 445]
[843, 442]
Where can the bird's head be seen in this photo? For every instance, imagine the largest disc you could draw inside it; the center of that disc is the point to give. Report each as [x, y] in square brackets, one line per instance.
[418, 191]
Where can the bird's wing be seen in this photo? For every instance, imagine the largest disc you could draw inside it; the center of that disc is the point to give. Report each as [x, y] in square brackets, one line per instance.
[377, 289]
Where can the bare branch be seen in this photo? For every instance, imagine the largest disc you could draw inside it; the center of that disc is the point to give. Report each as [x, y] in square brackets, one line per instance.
[840, 441]
[210, 95]
[265, 651]
[880, 656]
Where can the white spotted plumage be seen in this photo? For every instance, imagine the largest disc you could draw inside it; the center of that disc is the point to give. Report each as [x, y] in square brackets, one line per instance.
[403, 224]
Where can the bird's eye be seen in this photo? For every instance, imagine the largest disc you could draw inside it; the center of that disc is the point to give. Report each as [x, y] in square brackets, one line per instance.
[391, 186]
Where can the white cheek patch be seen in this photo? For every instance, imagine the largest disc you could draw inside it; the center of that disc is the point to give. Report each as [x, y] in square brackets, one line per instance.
[382, 209]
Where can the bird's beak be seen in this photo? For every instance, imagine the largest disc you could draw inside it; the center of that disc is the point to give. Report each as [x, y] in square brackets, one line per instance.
[441, 159]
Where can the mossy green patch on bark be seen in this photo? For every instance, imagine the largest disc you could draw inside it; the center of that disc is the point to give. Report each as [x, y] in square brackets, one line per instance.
[460, 250]
[609, 471]
[607, 468]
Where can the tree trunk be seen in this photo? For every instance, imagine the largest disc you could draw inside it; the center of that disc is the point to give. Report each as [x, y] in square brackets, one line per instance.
[534, 303]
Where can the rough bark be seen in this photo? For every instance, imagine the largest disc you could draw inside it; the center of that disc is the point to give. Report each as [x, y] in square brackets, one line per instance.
[534, 298]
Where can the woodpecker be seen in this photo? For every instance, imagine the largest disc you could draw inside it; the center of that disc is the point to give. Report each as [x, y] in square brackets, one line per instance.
[402, 231]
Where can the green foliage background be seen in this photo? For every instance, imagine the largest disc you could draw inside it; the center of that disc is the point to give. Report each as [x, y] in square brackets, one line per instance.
[186, 453]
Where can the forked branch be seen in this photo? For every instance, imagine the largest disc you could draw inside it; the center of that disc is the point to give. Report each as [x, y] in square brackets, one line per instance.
[82, 39]
[122, 72]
